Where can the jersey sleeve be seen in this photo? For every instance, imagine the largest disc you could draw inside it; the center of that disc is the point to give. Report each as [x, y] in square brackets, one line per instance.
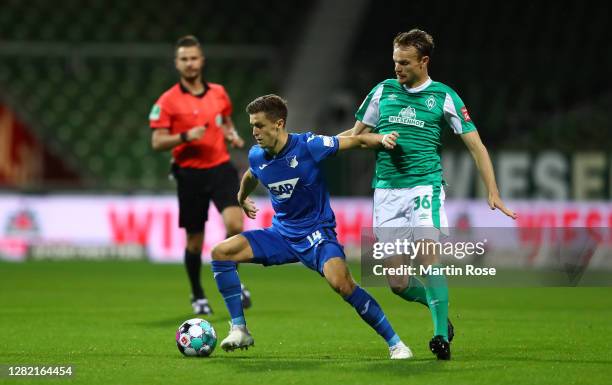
[252, 165]
[321, 146]
[252, 169]
[368, 112]
[456, 114]
[160, 115]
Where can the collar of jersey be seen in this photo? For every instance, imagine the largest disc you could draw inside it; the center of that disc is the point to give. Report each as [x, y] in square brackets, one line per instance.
[200, 95]
[283, 151]
[419, 88]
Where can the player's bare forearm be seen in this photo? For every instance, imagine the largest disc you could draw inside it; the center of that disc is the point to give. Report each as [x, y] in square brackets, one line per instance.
[230, 133]
[370, 140]
[367, 140]
[349, 142]
[485, 168]
[481, 158]
[247, 186]
[348, 132]
[358, 128]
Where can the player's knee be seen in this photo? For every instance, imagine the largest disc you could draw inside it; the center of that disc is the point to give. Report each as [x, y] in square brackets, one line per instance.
[397, 289]
[397, 284]
[221, 253]
[344, 287]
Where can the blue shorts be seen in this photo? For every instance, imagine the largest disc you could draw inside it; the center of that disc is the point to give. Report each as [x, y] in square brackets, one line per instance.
[271, 248]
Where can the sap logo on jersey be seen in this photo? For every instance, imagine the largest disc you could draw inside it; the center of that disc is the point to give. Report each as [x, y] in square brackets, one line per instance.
[283, 189]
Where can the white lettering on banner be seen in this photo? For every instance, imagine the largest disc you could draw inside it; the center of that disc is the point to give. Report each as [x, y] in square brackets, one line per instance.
[521, 175]
[459, 173]
[549, 173]
[589, 170]
[512, 168]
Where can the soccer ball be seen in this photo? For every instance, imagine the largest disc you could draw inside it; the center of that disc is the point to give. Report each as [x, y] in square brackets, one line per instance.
[196, 337]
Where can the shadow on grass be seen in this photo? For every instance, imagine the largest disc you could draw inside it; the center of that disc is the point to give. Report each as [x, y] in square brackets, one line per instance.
[403, 368]
[364, 366]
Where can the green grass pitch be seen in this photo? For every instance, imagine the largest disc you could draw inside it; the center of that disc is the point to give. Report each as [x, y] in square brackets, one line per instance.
[116, 322]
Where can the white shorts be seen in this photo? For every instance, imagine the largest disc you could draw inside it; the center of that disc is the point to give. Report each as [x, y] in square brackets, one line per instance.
[409, 213]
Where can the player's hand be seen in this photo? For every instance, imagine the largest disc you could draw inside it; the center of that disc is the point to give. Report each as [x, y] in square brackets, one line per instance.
[232, 136]
[248, 206]
[196, 133]
[495, 202]
[389, 140]
[236, 141]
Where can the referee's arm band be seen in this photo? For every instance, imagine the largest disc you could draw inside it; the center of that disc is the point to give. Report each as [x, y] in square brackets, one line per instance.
[183, 136]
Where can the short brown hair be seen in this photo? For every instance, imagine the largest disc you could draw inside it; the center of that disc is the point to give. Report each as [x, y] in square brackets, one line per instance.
[188, 41]
[272, 105]
[421, 40]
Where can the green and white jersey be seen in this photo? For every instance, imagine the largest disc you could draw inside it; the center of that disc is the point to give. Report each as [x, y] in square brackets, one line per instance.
[419, 115]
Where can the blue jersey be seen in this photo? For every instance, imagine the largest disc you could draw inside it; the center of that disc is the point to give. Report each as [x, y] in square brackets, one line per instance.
[295, 183]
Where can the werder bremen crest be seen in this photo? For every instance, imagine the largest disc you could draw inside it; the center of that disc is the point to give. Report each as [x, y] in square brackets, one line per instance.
[407, 116]
[431, 102]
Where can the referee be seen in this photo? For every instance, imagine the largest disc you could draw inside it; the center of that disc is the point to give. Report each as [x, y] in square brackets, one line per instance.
[193, 119]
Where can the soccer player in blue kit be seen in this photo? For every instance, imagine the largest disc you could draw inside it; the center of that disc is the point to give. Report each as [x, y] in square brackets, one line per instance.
[303, 227]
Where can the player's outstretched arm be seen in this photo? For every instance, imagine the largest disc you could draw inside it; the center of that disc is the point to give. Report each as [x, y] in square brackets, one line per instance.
[230, 133]
[368, 140]
[247, 185]
[358, 128]
[485, 167]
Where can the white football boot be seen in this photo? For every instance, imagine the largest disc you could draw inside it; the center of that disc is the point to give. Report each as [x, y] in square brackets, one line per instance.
[201, 307]
[400, 351]
[238, 338]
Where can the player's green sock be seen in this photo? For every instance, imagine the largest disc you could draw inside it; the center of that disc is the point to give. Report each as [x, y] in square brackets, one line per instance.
[436, 288]
[415, 292]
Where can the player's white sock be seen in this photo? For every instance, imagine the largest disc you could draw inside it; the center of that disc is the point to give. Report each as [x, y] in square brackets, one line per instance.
[238, 338]
[400, 351]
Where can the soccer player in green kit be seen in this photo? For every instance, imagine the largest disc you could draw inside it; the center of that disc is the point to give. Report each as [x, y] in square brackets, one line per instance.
[408, 183]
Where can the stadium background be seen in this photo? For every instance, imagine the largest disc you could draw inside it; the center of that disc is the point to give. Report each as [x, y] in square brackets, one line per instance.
[79, 180]
[77, 79]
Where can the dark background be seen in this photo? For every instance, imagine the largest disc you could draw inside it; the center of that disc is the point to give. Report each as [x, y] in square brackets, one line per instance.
[81, 76]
